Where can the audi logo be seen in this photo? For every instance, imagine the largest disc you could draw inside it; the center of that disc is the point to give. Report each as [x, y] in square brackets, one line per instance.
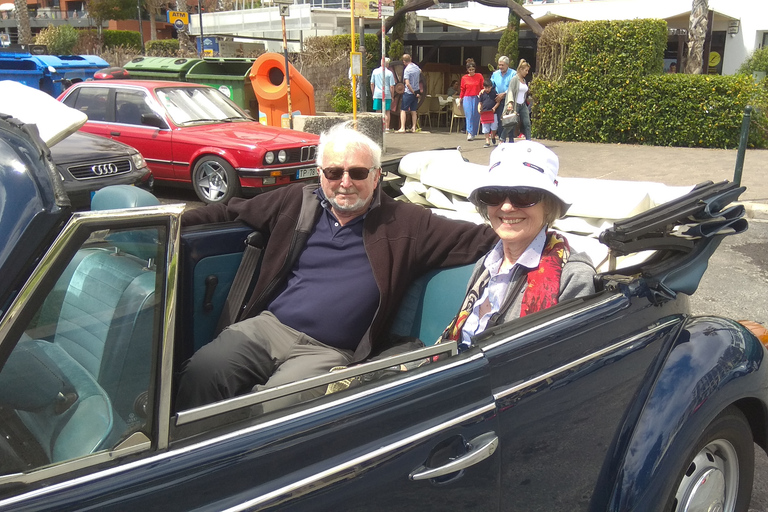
[104, 169]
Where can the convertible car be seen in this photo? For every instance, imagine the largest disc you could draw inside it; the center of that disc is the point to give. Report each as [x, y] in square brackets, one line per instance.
[618, 401]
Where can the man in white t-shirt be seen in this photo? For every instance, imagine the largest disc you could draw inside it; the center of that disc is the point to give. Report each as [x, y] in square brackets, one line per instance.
[379, 76]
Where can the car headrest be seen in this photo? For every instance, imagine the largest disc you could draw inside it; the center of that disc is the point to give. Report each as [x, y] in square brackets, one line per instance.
[141, 243]
[122, 196]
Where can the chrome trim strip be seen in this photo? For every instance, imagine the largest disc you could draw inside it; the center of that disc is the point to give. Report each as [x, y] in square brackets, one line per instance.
[311, 483]
[169, 331]
[553, 321]
[169, 162]
[162, 456]
[67, 466]
[578, 362]
[250, 399]
[259, 172]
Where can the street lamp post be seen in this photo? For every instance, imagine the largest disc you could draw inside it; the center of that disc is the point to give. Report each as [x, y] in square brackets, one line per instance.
[200, 13]
[141, 27]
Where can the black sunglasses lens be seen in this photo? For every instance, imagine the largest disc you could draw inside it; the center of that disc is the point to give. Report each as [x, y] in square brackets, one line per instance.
[333, 173]
[491, 197]
[525, 198]
[358, 173]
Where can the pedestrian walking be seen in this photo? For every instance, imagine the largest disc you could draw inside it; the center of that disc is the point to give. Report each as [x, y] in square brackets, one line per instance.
[487, 106]
[383, 80]
[471, 86]
[517, 98]
[501, 78]
[411, 77]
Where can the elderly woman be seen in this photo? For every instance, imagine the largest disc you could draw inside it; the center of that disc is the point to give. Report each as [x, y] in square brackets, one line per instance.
[530, 268]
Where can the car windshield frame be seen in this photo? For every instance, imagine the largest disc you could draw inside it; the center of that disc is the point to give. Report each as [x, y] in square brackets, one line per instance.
[192, 105]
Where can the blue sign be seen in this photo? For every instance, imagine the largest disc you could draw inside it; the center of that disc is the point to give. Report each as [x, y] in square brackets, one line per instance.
[210, 46]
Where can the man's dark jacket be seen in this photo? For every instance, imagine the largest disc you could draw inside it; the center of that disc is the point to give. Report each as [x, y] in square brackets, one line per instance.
[402, 240]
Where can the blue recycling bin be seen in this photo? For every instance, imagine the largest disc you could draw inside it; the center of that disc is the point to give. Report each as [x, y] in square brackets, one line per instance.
[70, 68]
[49, 73]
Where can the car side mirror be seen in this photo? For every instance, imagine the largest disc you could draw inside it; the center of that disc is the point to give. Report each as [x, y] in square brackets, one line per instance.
[155, 120]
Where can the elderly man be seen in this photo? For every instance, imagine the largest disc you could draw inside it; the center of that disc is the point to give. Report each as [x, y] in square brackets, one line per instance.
[383, 84]
[410, 103]
[500, 79]
[338, 261]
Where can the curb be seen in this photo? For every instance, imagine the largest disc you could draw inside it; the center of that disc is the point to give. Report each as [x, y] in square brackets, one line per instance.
[755, 210]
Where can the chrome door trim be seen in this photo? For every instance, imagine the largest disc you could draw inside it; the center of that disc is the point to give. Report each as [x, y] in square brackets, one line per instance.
[250, 399]
[616, 297]
[335, 474]
[582, 360]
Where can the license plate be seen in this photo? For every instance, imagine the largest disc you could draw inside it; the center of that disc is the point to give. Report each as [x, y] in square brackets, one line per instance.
[308, 172]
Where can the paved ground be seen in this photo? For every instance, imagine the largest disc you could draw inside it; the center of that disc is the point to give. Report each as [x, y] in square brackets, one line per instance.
[671, 166]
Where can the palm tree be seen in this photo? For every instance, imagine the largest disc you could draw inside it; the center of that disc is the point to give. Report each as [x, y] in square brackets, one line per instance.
[697, 34]
[22, 22]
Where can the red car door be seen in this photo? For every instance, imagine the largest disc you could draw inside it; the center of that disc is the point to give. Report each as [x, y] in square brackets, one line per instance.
[154, 143]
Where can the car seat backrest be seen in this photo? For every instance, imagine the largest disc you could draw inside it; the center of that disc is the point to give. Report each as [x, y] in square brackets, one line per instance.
[81, 421]
[431, 303]
[128, 113]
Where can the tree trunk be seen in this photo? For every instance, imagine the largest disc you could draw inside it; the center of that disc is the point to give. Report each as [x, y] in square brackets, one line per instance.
[22, 22]
[154, 11]
[697, 34]
[185, 44]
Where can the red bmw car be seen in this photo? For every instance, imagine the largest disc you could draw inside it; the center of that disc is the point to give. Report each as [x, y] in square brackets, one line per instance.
[191, 133]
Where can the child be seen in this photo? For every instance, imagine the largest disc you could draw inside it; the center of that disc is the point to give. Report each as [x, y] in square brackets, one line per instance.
[487, 105]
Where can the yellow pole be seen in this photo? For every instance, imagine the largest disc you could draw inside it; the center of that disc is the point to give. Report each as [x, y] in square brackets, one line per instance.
[354, 77]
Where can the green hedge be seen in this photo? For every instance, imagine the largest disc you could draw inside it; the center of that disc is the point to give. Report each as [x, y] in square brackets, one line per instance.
[162, 48]
[661, 110]
[612, 90]
[124, 38]
[115, 38]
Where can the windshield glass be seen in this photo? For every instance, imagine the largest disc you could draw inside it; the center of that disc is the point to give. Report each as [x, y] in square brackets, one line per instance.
[203, 104]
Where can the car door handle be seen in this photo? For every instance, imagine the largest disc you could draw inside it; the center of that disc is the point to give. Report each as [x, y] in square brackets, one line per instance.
[480, 448]
[114, 134]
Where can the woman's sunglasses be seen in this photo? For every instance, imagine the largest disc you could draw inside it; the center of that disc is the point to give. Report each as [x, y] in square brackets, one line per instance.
[519, 197]
[355, 173]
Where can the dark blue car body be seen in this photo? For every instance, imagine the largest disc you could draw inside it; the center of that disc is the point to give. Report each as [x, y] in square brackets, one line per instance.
[599, 403]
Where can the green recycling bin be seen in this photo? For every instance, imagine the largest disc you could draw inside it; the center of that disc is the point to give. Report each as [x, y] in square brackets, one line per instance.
[231, 77]
[160, 68]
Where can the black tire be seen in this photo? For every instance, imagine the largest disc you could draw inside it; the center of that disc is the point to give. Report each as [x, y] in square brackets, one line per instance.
[725, 453]
[214, 180]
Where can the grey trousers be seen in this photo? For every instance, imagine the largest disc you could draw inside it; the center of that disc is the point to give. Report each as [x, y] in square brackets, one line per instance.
[251, 355]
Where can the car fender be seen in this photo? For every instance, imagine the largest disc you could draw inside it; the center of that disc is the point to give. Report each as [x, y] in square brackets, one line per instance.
[713, 363]
[224, 153]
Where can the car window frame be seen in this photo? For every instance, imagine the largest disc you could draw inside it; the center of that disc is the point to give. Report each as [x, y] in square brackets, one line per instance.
[36, 289]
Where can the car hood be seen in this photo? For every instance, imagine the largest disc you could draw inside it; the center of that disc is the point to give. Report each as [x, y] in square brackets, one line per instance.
[247, 133]
[80, 146]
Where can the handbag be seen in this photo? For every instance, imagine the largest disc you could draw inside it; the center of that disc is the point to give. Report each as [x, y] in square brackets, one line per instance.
[510, 118]
[487, 116]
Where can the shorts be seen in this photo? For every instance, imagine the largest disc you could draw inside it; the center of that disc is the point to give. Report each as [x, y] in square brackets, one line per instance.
[410, 103]
[377, 105]
[490, 127]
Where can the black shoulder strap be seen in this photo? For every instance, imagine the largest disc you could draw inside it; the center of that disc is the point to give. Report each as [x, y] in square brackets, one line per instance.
[242, 281]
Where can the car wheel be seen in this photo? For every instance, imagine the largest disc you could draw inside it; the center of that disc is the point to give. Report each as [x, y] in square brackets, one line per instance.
[215, 181]
[718, 474]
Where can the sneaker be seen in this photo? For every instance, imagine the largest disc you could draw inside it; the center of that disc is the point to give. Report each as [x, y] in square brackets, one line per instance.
[493, 140]
[470, 137]
[486, 145]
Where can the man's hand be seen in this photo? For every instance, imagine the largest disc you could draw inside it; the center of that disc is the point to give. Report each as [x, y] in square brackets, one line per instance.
[500, 97]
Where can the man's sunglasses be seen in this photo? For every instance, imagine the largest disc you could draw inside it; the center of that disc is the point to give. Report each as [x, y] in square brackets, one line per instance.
[355, 173]
[519, 197]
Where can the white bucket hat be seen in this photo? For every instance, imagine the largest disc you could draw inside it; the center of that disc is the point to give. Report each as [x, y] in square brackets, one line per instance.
[522, 164]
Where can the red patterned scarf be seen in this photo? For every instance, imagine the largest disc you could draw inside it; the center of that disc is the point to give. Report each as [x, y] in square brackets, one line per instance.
[542, 289]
